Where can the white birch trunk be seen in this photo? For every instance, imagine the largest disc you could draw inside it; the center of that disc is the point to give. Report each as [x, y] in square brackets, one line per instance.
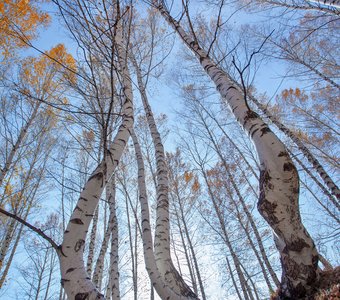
[75, 279]
[162, 231]
[161, 287]
[279, 181]
[113, 289]
[111, 226]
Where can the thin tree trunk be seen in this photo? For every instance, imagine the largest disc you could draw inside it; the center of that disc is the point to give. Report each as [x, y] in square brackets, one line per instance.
[99, 266]
[231, 273]
[162, 231]
[19, 141]
[248, 214]
[113, 289]
[93, 237]
[192, 250]
[162, 288]
[75, 279]
[234, 256]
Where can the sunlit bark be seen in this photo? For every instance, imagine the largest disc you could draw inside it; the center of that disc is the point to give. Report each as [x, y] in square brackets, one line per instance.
[279, 181]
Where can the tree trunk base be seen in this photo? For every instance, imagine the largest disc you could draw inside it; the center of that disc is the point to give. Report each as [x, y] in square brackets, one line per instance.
[326, 288]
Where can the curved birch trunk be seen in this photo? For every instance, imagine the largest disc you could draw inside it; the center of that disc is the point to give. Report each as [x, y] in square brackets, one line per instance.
[279, 181]
[161, 286]
[329, 182]
[162, 231]
[75, 279]
[305, 151]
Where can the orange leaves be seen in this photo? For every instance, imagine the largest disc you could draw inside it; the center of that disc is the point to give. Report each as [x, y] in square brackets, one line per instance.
[188, 176]
[293, 94]
[19, 20]
[45, 72]
[196, 186]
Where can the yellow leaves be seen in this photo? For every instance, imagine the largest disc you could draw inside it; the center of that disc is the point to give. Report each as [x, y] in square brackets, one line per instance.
[19, 20]
[292, 95]
[189, 177]
[44, 73]
[8, 189]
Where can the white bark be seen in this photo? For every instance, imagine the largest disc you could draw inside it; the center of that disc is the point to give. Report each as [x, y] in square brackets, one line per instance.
[162, 231]
[279, 181]
[161, 287]
[113, 285]
[75, 279]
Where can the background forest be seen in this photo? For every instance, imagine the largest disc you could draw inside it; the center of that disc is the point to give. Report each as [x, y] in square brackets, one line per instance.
[169, 149]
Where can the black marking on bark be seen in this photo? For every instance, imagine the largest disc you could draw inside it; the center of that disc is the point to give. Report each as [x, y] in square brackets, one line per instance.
[231, 87]
[77, 208]
[266, 208]
[60, 249]
[98, 176]
[83, 199]
[81, 296]
[79, 245]
[252, 134]
[283, 153]
[70, 270]
[297, 245]
[265, 130]
[63, 281]
[288, 166]
[250, 115]
[77, 221]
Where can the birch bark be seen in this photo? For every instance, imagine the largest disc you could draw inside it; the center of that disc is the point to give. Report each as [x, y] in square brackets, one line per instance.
[75, 279]
[162, 232]
[279, 181]
[161, 287]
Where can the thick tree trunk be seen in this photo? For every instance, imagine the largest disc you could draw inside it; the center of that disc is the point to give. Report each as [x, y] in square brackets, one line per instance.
[279, 181]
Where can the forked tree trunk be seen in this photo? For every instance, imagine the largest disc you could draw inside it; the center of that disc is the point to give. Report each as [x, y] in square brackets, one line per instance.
[279, 181]
[161, 286]
[162, 231]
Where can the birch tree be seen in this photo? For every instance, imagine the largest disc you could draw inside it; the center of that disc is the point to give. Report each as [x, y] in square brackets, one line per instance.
[277, 174]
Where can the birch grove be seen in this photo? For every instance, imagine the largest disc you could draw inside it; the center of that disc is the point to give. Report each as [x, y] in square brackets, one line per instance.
[169, 150]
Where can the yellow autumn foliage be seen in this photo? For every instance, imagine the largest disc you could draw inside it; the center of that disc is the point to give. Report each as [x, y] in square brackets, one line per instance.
[45, 72]
[19, 20]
